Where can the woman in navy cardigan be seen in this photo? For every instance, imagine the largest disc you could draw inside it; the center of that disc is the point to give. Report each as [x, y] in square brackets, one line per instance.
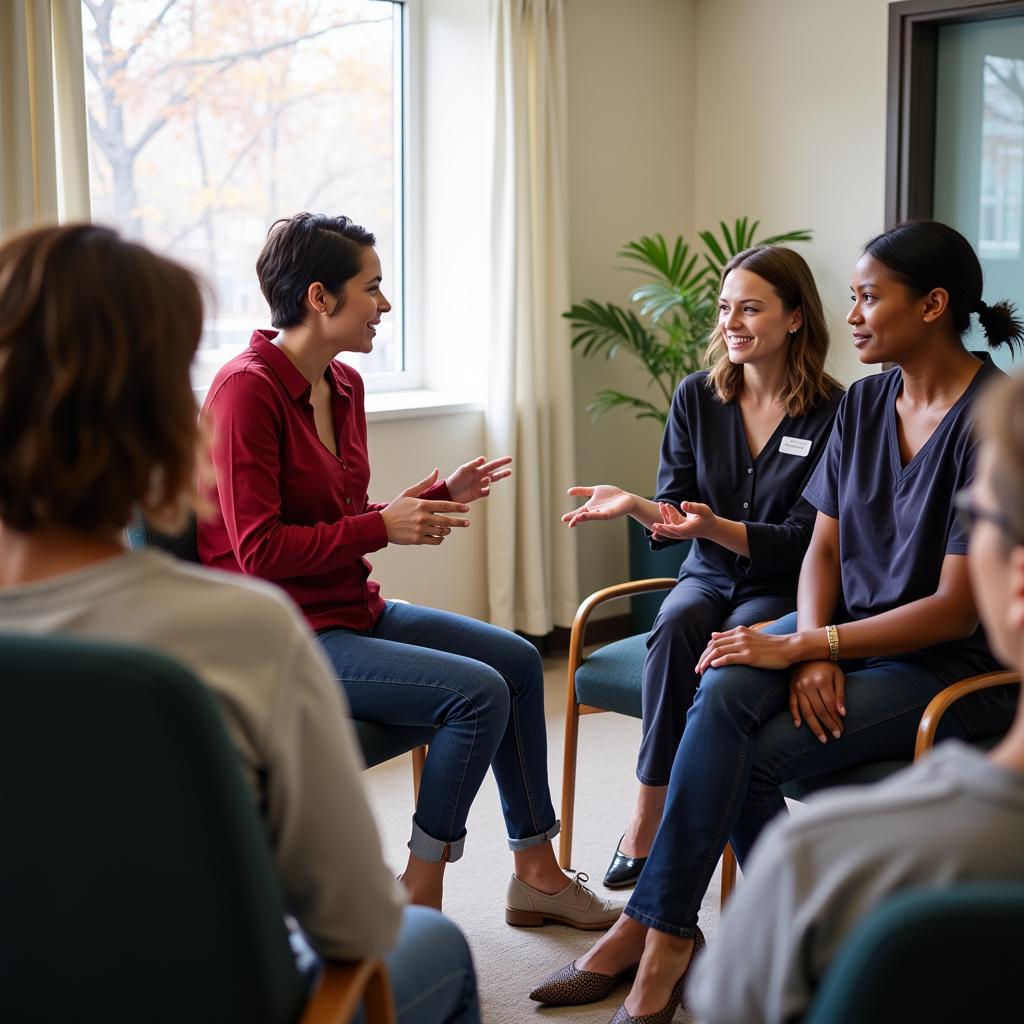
[741, 441]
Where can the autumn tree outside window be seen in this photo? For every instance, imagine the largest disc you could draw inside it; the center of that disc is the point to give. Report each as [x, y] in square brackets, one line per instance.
[209, 119]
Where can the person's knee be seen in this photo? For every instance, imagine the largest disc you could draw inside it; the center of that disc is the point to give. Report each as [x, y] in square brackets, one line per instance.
[486, 697]
[431, 968]
[680, 629]
[519, 660]
[426, 929]
[728, 689]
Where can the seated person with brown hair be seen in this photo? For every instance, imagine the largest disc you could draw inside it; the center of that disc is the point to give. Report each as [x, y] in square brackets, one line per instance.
[956, 816]
[98, 420]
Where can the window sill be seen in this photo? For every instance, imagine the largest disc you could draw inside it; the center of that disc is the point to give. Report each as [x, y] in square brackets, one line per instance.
[415, 404]
[382, 406]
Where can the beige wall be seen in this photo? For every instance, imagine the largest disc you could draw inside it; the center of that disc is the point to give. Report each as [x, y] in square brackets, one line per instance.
[452, 575]
[790, 128]
[631, 99]
[682, 112]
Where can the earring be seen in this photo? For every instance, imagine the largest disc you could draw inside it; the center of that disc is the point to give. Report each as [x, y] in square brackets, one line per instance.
[793, 330]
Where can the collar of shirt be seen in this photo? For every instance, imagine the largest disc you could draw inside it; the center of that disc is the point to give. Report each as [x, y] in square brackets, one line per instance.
[296, 386]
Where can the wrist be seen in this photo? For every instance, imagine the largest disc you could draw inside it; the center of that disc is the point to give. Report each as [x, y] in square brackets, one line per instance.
[810, 645]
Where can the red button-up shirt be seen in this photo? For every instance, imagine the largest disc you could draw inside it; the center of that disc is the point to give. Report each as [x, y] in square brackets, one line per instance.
[284, 507]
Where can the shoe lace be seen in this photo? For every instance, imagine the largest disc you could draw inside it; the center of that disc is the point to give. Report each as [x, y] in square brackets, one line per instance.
[580, 882]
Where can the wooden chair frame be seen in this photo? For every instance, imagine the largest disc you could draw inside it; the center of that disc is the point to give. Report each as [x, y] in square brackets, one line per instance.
[343, 986]
[573, 709]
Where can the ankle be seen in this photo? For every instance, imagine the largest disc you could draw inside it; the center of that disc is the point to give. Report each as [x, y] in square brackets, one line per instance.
[638, 837]
[547, 880]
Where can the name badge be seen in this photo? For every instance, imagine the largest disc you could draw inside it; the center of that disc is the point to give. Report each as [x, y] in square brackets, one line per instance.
[795, 446]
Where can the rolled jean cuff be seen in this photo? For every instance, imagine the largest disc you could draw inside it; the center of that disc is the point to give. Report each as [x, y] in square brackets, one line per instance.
[658, 925]
[427, 848]
[543, 837]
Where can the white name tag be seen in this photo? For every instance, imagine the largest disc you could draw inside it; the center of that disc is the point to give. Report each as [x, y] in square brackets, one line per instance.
[795, 446]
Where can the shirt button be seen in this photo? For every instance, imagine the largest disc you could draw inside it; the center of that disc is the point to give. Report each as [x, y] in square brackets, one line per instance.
[348, 501]
[749, 470]
[746, 504]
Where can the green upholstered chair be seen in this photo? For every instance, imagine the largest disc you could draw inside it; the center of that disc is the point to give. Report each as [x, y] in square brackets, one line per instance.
[136, 880]
[610, 679]
[891, 966]
[379, 742]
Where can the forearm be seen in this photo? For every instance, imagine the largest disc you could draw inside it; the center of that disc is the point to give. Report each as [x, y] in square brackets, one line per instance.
[645, 512]
[730, 534]
[818, 589]
[930, 620]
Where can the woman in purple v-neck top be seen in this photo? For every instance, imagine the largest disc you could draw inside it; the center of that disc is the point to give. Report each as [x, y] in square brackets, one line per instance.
[885, 613]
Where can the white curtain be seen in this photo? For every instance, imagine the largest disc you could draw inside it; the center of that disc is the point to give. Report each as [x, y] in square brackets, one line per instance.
[44, 162]
[531, 557]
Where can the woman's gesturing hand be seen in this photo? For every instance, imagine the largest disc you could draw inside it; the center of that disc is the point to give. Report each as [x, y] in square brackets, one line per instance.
[605, 501]
[746, 646]
[473, 480]
[410, 519]
[694, 520]
[817, 691]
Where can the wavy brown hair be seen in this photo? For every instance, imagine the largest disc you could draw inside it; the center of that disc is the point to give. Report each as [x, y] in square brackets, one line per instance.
[97, 415]
[806, 382]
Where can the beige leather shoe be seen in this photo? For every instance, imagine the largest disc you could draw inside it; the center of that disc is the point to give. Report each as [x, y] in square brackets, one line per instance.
[576, 905]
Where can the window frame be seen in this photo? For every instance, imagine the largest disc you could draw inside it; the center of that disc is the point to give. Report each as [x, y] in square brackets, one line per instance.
[913, 74]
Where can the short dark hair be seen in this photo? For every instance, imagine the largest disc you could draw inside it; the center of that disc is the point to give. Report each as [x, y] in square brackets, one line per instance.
[925, 254]
[306, 248]
[97, 414]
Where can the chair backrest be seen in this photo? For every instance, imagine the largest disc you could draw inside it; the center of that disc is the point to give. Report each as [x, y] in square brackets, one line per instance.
[183, 545]
[930, 955]
[136, 881]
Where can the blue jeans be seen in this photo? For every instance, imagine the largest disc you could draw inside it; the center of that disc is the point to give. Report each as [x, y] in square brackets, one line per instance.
[740, 746]
[692, 609]
[431, 971]
[483, 689]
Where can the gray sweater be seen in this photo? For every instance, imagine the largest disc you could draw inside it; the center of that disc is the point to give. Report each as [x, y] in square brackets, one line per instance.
[954, 816]
[282, 708]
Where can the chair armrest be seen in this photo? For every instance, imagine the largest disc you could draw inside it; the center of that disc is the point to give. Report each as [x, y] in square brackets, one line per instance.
[589, 604]
[945, 699]
[343, 986]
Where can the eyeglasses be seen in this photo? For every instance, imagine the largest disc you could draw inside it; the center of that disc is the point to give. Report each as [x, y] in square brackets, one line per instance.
[968, 514]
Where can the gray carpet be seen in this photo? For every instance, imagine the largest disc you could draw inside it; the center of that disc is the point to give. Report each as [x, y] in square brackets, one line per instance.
[509, 960]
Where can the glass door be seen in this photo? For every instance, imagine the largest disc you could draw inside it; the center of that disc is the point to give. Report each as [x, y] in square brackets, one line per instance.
[979, 152]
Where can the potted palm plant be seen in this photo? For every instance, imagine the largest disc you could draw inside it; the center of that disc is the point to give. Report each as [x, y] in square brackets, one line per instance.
[667, 331]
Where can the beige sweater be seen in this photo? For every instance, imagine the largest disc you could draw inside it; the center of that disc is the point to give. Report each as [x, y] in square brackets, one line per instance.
[283, 710]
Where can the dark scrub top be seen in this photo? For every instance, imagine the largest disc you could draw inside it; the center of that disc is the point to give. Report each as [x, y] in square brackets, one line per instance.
[896, 522]
[705, 457]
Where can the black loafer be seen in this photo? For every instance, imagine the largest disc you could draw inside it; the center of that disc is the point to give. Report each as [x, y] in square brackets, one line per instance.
[623, 871]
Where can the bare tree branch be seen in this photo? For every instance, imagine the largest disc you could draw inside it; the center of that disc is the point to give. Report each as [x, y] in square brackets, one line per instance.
[144, 35]
[228, 60]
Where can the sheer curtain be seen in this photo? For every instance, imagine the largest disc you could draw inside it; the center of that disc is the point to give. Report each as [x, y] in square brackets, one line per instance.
[531, 558]
[44, 161]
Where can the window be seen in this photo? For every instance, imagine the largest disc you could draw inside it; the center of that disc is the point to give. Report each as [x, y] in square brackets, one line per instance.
[210, 119]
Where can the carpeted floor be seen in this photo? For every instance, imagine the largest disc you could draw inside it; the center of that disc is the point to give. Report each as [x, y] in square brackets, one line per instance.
[509, 960]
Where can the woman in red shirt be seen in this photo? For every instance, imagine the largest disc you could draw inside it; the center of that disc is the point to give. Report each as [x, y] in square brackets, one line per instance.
[290, 498]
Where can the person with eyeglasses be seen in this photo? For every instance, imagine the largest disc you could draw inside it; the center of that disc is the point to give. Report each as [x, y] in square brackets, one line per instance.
[885, 615]
[955, 816]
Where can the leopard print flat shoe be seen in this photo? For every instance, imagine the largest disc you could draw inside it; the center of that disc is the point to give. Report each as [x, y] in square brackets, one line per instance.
[569, 986]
